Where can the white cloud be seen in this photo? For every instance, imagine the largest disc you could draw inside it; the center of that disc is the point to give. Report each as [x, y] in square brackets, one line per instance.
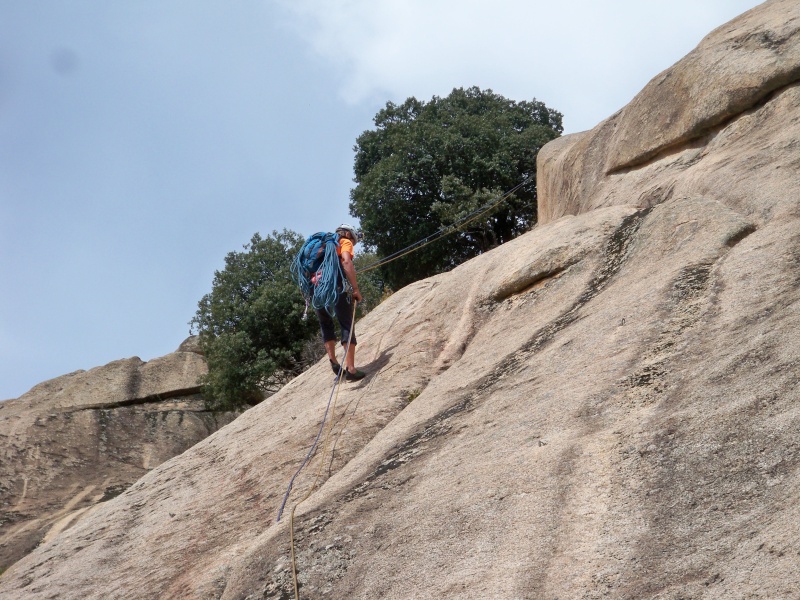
[582, 57]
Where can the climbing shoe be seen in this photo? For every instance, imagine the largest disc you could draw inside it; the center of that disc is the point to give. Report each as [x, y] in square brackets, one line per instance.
[335, 366]
[354, 376]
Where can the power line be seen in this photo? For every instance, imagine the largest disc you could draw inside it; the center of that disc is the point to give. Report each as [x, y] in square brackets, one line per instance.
[419, 244]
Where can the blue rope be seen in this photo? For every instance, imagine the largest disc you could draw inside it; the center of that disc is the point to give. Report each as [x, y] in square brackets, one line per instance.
[329, 276]
[330, 280]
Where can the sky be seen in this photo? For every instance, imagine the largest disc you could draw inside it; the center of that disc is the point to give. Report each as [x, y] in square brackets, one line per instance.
[140, 142]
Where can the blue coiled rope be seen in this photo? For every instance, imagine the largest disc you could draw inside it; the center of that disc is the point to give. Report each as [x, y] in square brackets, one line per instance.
[329, 279]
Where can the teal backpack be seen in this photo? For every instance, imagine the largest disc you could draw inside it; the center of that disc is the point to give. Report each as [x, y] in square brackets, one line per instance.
[317, 271]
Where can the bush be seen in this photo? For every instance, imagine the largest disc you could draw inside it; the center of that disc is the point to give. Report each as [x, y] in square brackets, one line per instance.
[251, 324]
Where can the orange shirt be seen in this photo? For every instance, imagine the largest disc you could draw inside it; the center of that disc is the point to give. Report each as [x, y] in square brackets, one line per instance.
[345, 245]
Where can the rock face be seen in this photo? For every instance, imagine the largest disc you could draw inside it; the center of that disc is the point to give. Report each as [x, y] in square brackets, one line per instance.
[607, 406]
[735, 70]
[78, 440]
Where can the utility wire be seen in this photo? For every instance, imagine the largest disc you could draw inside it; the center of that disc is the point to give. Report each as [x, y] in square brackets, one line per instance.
[419, 244]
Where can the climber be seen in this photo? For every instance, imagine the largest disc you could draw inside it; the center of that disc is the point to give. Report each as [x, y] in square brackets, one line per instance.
[349, 236]
[322, 269]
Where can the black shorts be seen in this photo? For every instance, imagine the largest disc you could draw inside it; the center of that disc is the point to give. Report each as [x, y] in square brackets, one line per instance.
[344, 314]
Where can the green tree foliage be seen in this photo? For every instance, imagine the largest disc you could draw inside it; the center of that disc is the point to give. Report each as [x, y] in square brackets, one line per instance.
[427, 165]
[250, 324]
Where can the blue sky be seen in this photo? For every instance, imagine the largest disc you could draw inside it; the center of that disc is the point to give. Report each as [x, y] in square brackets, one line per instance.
[142, 141]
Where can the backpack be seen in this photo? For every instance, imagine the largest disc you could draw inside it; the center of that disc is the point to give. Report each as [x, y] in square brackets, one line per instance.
[317, 271]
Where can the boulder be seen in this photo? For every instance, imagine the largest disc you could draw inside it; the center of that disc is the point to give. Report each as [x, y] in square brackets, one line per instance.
[78, 440]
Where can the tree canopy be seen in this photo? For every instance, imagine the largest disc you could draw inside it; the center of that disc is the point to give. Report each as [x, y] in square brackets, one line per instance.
[250, 325]
[427, 165]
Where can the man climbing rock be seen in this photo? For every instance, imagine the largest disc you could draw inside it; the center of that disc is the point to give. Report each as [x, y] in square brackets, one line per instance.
[322, 269]
[349, 236]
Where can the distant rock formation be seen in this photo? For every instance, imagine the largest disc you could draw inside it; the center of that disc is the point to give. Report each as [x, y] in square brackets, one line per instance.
[605, 407]
[83, 438]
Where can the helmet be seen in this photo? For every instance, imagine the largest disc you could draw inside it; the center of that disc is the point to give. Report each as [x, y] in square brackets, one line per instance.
[357, 235]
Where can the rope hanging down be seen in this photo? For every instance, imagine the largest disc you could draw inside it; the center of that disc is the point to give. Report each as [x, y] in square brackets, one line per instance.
[335, 398]
[419, 244]
[311, 450]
